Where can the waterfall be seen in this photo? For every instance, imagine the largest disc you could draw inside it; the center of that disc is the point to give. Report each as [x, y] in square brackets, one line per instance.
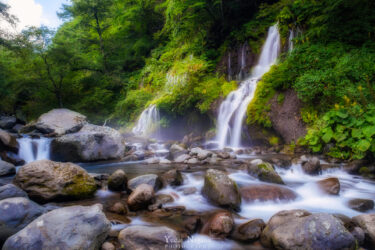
[290, 40]
[242, 63]
[34, 149]
[148, 122]
[233, 109]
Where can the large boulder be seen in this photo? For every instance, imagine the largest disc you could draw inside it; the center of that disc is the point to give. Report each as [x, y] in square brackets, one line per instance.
[221, 190]
[298, 229]
[263, 192]
[151, 179]
[75, 227]
[219, 225]
[6, 168]
[7, 122]
[264, 171]
[15, 214]
[46, 180]
[248, 231]
[329, 185]
[141, 197]
[367, 223]
[59, 122]
[150, 238]
[8, 142]
[361, 205]
[118, 181]
[91, 143]
[11, 191]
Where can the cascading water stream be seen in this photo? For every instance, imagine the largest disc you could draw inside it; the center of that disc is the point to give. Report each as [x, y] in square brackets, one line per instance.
[290, 40]
[233, 109]
[32, 149]
[148, 122]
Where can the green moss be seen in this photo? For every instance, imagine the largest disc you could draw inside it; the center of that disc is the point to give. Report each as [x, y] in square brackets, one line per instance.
[82, 186]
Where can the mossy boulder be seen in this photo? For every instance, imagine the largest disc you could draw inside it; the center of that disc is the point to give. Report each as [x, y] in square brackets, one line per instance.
[221, 190]
[264, 171]
[47, 180]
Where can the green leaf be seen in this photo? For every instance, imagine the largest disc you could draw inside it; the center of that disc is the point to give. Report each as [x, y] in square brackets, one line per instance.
[357, 133]
[342, 114]
[369, 131]
[363, 145]
[328, 134]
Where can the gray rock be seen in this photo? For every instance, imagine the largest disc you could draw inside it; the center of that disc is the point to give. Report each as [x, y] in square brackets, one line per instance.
[11, 191]
[141, 197]
[46, 180]
[192, 161]
[219, 225]
[221, 190]
[118, 181]
[6, 168]
[329, 185]
[15, 214]
[8, 142]
[200, 153]
[312, 166]
[182, 158]
[298, 229]
[264, 171]
[151, 179]
[175, 151]
[7, 122]
[361, 205]
[367, 223]
[150, 238]
[248, 231]
[172, 177]
[153, 160]
[91, 143]
[75, 227]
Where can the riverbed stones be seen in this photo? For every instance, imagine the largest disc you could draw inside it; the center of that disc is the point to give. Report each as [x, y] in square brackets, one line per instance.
[74, 227]
[151, 179]
[221, 190]
[264, 171]
[312, 166]
[367, 223]
[11, 191]
[6, 168]
[8, 142]
[329, 185]
[297, 229]
[201, 154]
[148, 237]
[267, 192]
[219, 225]
[47, 180]
[249, 231]
[117, 181]
[175, 151]
[141, 197]
[361, 205]
[91, 143]
[182, 158]
[15, 214]
[172, 177]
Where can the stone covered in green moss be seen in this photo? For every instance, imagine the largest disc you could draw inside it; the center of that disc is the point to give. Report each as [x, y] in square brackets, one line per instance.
[264, 171]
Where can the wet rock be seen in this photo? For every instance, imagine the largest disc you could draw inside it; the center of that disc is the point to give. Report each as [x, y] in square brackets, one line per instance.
[6, 168]
[175, 151]
[182, 158]
[219, 225]
[148, 237]
[165, 161]
[192, 161]
[189, 190]
[359, 235]
[11, 191]
[141, 197]
[75, 227]
[91, 143]
[249, 231]
[223, 155]
[8, 142]
[46, 180]
[361, 205]
[151, 179]
[200, 153]
[297, 229]
[264, 171]
[130, 158]
[59, 122]
[108, 246]
[354, 166]
[100, 179]
[118, 181]
[312, 166]
[15, 214]
[118, 208]
[7, 122]
[330, 185]
[221, 190]
[160, 200]
[367, 223]
[153, 160]
[172, 177]
[17, 128]
[283, 163]
[263, 192]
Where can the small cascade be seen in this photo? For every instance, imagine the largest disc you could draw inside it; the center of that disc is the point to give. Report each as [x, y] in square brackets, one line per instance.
[242, 62]
[233, 109]
[32, 149]
[148, 122]
[290, 40]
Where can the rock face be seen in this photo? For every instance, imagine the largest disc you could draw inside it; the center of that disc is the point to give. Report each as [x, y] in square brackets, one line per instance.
[6, 168]
[219, 225]
[15, 214]
[298, 229]
[8, 142]
[141, 197]
[151, 179]
[74, 227]
[312, 166]
[264, 192]
[361, 205]
[330, 185]
[367, 223]
[11, 191]
[118, 181]
[151, 238]
[47, 180]
[248, 231]
[60, 122]
[91, 143]
[264, 171]
[221, 190]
